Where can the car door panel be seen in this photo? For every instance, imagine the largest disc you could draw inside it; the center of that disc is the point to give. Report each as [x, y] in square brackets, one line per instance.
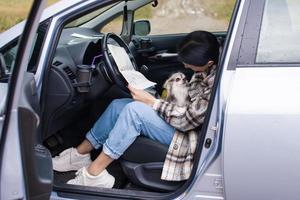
[25, 166]
[36, 157]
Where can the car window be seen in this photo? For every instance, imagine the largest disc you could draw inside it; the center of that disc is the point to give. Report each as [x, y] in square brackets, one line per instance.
[9, 56]
[180, 16]
[13, 12]
[114, 26]
[9, 52]
[279, 34]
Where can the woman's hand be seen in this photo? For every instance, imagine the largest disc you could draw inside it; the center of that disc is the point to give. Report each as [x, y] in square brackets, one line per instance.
[142, 96]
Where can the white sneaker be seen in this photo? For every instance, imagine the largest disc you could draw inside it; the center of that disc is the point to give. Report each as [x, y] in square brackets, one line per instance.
[104, 179]
[70, 160]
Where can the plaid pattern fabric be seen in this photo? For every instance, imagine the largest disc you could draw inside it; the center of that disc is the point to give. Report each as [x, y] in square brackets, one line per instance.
[179, 160]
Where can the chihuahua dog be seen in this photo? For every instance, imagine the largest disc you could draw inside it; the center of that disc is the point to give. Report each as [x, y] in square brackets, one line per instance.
[177, 89]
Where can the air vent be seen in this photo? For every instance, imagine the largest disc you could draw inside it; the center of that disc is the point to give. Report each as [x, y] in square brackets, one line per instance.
[57, 63]
[70, 73]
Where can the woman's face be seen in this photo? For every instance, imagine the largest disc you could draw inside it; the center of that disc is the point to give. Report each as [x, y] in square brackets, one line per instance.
[199, 68]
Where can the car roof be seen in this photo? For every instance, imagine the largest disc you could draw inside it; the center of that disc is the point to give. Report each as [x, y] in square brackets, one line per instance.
[50, 11]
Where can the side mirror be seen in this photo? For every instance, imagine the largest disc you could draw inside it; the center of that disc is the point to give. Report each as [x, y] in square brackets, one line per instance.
[141, 28]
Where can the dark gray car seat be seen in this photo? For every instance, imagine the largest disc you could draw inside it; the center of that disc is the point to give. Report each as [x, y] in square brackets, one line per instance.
[142, 163]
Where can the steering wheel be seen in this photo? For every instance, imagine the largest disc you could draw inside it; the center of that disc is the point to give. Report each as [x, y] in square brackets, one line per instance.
[111, 68]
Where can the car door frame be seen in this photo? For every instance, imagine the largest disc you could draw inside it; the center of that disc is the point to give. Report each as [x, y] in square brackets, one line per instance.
[198, 170]
[243, 57]
[14, 184]
[73, 192]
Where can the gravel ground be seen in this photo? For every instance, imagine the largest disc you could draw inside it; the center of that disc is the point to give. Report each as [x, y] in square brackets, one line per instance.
[182, 16]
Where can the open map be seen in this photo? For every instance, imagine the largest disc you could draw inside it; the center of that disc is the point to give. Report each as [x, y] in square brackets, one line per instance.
[133, 77]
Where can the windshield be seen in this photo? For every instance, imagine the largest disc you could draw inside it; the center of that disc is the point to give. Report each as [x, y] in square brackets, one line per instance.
[88, 17]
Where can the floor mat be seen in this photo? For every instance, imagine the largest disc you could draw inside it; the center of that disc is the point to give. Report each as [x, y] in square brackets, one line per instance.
[114, 169]
[63, 177]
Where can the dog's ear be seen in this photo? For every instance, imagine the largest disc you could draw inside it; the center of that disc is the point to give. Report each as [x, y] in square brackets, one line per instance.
[166, 84]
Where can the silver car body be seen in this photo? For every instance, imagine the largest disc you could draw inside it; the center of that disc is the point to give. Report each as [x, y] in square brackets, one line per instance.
[253, 123]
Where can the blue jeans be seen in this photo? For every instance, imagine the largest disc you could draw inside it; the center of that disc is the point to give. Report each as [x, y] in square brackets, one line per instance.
[122, 122]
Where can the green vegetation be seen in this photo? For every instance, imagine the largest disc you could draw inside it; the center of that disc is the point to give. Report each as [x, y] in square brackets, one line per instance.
[144, 12]
[14, 11]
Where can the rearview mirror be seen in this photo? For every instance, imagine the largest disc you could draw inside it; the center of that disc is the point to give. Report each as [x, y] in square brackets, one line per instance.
[141, 28]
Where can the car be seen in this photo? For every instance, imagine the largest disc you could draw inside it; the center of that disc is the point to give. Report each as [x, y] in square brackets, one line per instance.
[57, 77]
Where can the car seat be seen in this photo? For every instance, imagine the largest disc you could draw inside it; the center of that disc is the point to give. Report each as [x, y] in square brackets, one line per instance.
[142, 163]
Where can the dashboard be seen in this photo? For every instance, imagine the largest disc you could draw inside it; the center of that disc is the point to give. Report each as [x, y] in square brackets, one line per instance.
[66, 92]
[78, 47]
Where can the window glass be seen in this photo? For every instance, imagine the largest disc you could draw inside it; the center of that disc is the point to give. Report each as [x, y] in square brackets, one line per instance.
[11, 13]
[183, 16]
[10, 52]
[9, 57]
[114, 26]
[86, 18]
[280, 30]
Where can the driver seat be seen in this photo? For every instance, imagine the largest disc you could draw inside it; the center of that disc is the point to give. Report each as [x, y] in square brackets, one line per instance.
[142, 163]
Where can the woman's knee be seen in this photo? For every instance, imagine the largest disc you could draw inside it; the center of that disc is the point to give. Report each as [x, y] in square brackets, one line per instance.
[138, 107]
[116, 102]
[119, 103]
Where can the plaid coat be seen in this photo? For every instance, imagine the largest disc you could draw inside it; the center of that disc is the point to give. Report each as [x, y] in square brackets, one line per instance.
[179, 160]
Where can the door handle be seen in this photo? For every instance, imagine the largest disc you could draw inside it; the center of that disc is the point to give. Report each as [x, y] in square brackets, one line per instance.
[164, 56]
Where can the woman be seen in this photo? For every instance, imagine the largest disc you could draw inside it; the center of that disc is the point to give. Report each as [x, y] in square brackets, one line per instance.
[169, 124]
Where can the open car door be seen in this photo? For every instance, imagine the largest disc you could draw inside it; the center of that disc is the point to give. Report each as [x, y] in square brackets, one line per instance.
[25, 165]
